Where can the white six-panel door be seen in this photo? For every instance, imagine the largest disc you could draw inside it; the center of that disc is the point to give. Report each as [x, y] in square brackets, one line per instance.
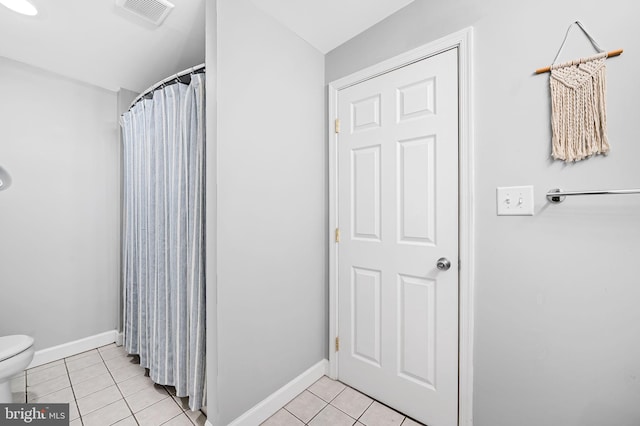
[398, 214]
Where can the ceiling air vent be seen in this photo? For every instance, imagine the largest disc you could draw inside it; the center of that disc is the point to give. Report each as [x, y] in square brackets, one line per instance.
[152, 10]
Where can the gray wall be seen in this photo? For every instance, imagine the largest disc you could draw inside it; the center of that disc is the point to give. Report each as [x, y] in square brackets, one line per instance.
[271, 207]
[60, 220]
[211, 245]
[557, 321]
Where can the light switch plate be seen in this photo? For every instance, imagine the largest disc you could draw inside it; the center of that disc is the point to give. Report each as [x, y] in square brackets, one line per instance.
[515, 200]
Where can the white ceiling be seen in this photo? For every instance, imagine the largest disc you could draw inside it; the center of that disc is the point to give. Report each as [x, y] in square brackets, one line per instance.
[326, 24]
[96, 42]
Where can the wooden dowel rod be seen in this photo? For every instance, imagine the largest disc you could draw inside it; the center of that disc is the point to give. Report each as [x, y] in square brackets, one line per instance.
[609, 55]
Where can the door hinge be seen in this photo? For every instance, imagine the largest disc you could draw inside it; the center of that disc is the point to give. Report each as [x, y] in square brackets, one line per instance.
[337, 235]
[337, 344]
[337, 125]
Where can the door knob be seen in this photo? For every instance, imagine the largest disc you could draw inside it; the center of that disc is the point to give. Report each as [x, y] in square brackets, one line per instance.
[443, 264]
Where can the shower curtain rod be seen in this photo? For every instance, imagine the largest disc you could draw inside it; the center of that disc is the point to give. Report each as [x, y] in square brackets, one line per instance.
[166, 80]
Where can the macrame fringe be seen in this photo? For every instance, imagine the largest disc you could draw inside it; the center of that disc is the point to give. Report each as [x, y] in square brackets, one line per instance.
[578, 110]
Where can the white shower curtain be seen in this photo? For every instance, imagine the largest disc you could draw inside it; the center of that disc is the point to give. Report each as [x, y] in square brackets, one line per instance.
[163, 236]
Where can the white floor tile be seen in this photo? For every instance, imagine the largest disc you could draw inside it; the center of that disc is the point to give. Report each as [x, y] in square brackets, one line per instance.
[30, 397]
[107, 347]
[87, 373]
[146, 397]
[80, 355]
[129, 421]
[179, 420]
[50, 386]
[73, 410]
[110, 352]
[63, 395]
[98, 397]
[33, 378]
[282, 418]
[331, 416]
[305, 406]
[19, 397]
[95, 384]
[99, 400]
[84, 362]
[352, 402]
[326, 388]
[46, 366]
[381, 415]
[183, 402]
[158, 413]
[108, 415]
[134, 384]
[127, 372]
[410, 422]
[119, 362]
[197, 417]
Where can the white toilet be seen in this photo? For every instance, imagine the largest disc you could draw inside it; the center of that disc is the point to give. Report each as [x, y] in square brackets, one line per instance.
[16, 353]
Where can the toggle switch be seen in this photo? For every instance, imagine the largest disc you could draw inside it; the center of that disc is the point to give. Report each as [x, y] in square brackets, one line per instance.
[515, 200]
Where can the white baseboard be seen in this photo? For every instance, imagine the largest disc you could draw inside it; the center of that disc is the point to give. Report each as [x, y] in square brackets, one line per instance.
[72, 348]
[120, 339]
[271, 404]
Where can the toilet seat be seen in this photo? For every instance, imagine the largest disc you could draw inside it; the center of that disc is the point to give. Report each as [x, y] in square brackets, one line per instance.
[11, 346]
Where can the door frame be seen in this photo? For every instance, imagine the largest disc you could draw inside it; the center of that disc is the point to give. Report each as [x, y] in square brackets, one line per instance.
[463, 41]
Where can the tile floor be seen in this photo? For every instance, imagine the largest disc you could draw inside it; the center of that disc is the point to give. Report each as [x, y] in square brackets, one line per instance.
[331, 403]
[105, 386]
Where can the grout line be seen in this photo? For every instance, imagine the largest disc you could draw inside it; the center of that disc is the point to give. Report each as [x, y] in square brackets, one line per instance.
[184, 410]
[405, 417]
[78, 357]
[370, 404]
[73, 392]
[82, 368]
[56, 363]
[306, 423]
[356, 418]
[181, 414]
[339, 393]
[363, 394]
[121, 394]
[42, 371]
[328, 402]
[50, 391]
[365, 410]
[190, 419]
[342, 411]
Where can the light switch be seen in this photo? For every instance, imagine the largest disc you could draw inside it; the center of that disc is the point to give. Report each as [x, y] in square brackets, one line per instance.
[515, 200]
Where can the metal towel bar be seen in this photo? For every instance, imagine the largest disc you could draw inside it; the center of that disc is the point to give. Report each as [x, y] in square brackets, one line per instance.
[557, 195]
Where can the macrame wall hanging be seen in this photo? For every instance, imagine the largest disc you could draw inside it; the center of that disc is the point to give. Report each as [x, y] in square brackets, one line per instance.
[578, 107]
